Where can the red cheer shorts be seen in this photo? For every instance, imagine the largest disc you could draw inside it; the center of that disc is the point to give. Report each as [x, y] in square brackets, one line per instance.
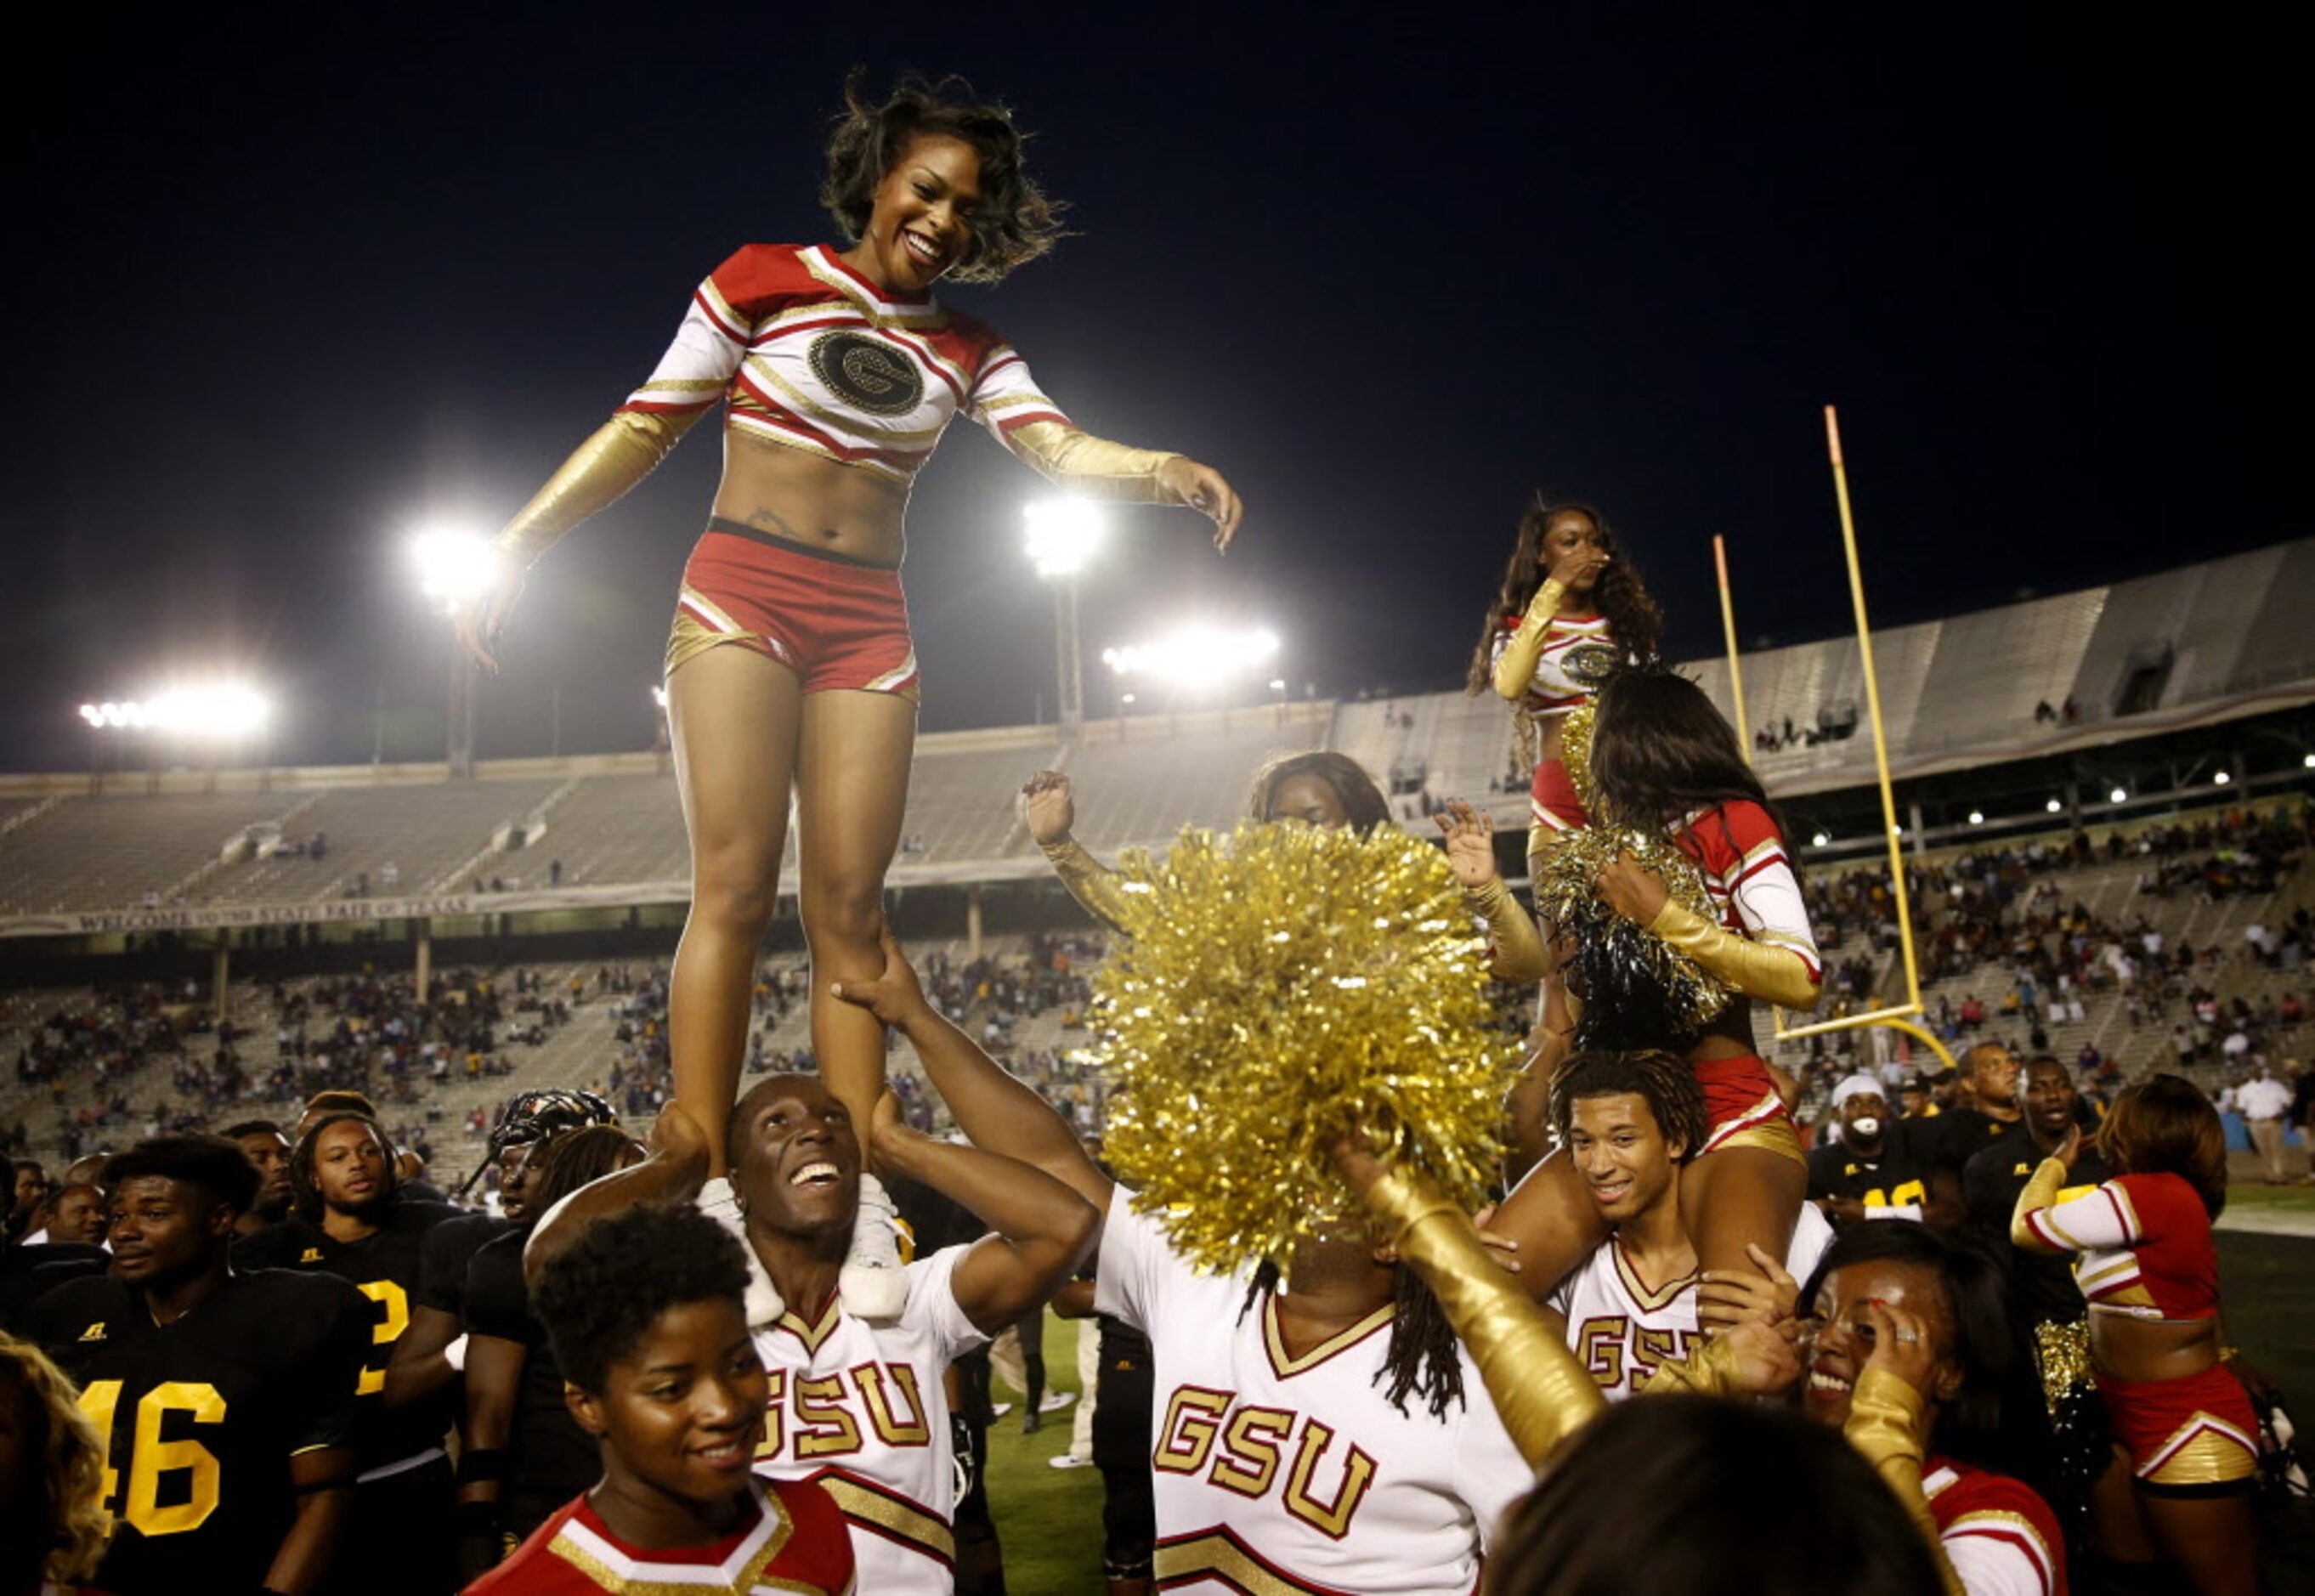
[1552, 802]
[838, 624]
[1744, 1108]
[2194, 1436]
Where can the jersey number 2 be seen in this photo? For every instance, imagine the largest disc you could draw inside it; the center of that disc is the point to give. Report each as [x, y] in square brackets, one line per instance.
[393, 1319]
[150, 1457]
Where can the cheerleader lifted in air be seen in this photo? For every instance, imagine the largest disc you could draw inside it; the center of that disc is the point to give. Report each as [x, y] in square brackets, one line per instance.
[791, 667]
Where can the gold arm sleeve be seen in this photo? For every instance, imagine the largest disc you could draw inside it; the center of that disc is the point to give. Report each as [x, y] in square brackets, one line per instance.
[1104, 469]
[1515, 666]
[1518, 954]
[620, 453]
[1542, 1394]
[1091, 883]
[1756, 969]
[1709, 1370]
[2042, 1189]
[1885, 1423]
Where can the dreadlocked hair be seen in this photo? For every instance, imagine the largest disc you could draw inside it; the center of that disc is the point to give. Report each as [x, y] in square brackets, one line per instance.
[1635, 621]
[576, 1158]
[1423, 1358]
[1016, 222]
[1665, 1080]
[304, 1181]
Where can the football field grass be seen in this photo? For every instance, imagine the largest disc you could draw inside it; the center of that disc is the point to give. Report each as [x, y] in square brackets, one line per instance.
[1049, 1519]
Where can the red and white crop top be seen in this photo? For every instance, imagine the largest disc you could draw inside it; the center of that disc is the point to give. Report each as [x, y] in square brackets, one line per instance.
[1740, 855]
[1577, 656]
[813, 356]
[2145, 1241]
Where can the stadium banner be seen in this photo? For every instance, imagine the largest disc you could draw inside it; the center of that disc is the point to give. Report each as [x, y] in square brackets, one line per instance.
[209, 917]
[438, 906]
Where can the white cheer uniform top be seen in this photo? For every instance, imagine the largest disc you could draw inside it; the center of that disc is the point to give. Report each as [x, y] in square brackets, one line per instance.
[1622, 1329]
[1278, 1474]
[862, 1410]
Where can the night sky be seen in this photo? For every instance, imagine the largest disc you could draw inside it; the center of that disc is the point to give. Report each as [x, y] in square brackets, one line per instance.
[284, 283]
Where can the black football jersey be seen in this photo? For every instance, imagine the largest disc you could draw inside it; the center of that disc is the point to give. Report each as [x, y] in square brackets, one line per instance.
[448, 1249]
[554, 1459]
[28, 1273]
[2042, 1288]
[1896, 1176]
[385, 1268]
[200, 1416]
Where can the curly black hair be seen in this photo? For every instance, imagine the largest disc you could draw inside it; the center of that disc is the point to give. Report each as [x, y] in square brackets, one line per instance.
[1665, 1079]
[1016, 222]
[214, 1165]
[1423, 1358]
[599, 1295]
[305, 1182]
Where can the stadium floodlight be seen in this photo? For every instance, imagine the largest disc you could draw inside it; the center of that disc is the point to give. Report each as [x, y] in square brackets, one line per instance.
[2117, 796]
[216, 711]
[1822, 840]
[2055, 806]
[2223, 777]
[1065, 534]
[1196, 656]
[1977, 816]
[454, 567]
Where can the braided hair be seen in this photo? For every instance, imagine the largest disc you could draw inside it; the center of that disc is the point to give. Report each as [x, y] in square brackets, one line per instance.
[1423, 1358]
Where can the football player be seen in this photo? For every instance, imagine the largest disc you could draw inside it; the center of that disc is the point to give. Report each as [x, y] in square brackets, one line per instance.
[351, 1221]
[225, 1399]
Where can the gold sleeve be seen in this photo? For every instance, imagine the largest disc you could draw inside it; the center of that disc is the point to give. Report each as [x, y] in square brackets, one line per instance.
[620, 454]
[1706, 1371]
[1092, 883]
[1885, 1421]
[1515, 666]
[1542, 1394]
[2042, 1189]
[1518, 954]
[1107, 470]
[1756, 969]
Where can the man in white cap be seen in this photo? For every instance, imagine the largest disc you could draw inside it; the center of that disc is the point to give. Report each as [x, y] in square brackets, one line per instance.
[1874, 1172]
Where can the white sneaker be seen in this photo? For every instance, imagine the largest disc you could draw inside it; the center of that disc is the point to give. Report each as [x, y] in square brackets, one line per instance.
[873, 1285]
[1067, 1460]
[764, 1305]
[997, 1410]
[1055, 1401]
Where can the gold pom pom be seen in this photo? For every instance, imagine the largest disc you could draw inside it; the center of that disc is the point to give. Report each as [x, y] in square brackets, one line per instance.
[1637, 991]
[1281, 987]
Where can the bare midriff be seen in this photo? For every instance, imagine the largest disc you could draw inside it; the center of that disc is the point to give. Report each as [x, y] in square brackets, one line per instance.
[2133, 1348]
[813, 503]
[1547, 746]
[1729, 1034]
